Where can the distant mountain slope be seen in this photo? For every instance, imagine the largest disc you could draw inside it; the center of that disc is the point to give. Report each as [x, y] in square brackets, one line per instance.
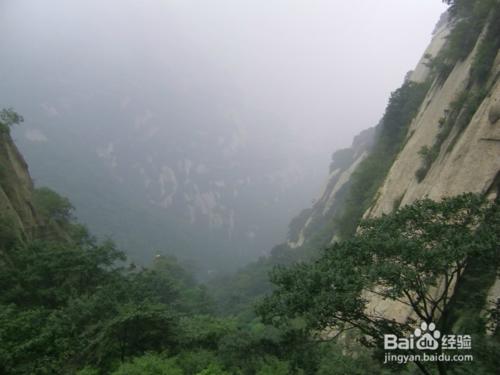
[318, 220]
[157, 179]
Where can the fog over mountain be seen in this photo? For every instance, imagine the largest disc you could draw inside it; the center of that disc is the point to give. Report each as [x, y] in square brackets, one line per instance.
[199, 128]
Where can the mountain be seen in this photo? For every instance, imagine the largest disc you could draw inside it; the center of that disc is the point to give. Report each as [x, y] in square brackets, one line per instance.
[189, 192]
[158, 162]
[26, 213]
[439, 137]
[318, 220]
[16, 188]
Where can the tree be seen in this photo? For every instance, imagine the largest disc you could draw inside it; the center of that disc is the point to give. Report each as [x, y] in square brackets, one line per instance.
[52, 205]
[9, 233]
[8, 118]
[390, 136]
[149, 365]
[135, 329]
[51, 294]
[402, 257]
[213, 369]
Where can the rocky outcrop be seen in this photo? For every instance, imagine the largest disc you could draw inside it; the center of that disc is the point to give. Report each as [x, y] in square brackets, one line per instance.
[422, 70]
[319, 218]
[16, 188]
[468, 159]
[465, 143]
[471, 164]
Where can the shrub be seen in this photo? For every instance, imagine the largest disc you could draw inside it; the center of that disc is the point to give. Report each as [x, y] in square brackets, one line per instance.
[149, 364]
[273, 366]
[428, 156]
[487, 50]
[213, 370]
[192, 362]
[371, 172]
[8, 118]
[9, 234]
[468, 18]
[52, 205]
[88, 371]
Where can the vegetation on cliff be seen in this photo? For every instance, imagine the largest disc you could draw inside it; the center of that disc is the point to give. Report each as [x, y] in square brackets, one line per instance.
[70, 304]
[9, 118]
[469, 20]
[416, 256]
[369, 175]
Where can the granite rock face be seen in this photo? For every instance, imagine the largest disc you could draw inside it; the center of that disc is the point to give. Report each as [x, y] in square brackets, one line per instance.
[468, 160]
[16, 189]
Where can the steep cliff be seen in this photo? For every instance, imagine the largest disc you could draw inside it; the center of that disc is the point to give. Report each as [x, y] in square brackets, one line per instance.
[356, 173]
[452, 145]
[468, 159]
[317, 222]
[16, 189]
[439, 137]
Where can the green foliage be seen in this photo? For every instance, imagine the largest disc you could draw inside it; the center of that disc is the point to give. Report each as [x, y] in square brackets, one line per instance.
[23, 340]
[398, 257]
[73, 307]
[235, 293]
[335, 360]
[88, 371]
[40, 284]
[213, 369]
[52, 205]
[439, 66]
[192, 362]
[9, 233]
[134, 329]
[471, 103]
[487, 49]
[149, 365]
[428, 156]
[8, 118]
[205, 331]
[168, 283]
[457, 118]
[467, 307]
[469, 17]
[273, 366]
[369, 175]
[69, 305]
[47, 274]
[342, 159]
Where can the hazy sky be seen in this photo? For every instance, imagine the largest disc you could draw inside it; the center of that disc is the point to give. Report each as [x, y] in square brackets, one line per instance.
[252, 96]
[321, 69]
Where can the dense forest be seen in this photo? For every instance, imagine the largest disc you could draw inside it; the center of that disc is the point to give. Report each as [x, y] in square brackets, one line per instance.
[74, 304]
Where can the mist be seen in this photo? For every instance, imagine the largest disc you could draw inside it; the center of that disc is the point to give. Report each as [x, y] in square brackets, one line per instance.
[215, 119]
